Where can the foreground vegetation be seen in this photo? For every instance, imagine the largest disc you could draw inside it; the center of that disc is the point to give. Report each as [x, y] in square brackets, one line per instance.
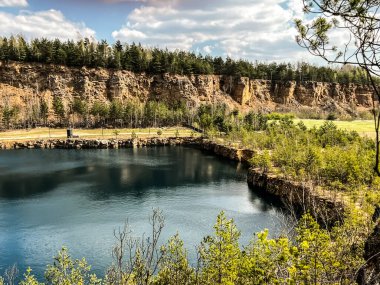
[311, 255]
[134, 57]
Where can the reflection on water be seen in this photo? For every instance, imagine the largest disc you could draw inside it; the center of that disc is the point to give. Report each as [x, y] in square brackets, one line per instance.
[51, 198]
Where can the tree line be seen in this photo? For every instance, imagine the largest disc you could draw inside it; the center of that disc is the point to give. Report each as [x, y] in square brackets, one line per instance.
[132, 114]
[136, 58]
[79, 113]
[211, 118]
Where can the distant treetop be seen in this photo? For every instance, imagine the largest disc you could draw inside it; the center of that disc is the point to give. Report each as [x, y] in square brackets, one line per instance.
[135, 58]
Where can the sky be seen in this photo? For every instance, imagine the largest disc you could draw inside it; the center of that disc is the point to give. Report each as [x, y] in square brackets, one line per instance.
[249, 29]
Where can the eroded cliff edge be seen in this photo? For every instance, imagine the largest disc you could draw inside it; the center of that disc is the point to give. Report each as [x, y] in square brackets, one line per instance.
[20, 83]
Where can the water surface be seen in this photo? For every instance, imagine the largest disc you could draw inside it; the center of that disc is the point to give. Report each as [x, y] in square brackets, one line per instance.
[51, 198]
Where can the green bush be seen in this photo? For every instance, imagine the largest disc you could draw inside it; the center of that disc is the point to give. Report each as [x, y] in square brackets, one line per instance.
[262, 161]
[331, 117]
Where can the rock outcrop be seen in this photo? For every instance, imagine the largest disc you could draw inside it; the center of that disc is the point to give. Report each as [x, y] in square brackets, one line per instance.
[21, 83]
[298, 196]
[228, 152]
[99, 143]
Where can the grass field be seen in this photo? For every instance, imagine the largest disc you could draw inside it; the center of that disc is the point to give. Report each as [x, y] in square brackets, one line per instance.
[45, 133]
[363, 127]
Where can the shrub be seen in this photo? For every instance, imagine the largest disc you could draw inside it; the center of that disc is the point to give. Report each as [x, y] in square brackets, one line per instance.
[262, 161]
[331, 117]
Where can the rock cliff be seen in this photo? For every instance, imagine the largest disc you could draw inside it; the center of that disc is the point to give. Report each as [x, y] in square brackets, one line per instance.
[21, 83]
[298, 196]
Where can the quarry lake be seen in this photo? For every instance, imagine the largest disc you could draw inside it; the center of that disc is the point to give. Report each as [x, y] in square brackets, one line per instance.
[51, 198]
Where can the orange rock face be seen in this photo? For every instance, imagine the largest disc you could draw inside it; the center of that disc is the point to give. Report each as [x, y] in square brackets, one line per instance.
[21, 84]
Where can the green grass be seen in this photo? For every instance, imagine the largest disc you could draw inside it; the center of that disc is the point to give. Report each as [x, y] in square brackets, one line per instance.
[363, 127]
[45, 133]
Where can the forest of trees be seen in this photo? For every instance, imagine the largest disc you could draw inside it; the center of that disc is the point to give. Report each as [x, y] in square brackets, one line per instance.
[134, 57]
[79, 113]
[132, 114]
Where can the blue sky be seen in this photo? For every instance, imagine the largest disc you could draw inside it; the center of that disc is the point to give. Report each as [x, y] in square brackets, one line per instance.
[250, 29]
[100, 16]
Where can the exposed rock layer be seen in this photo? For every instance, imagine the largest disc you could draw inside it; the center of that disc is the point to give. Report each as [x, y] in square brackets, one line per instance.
[97, 143]
[301, 197]
[21, 83]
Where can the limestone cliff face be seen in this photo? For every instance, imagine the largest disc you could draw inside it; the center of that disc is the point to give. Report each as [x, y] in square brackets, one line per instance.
[22, 83]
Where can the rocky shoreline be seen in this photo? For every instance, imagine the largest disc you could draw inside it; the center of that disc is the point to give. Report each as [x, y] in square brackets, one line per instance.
[302, 197]
[232, 153]
[77, 143]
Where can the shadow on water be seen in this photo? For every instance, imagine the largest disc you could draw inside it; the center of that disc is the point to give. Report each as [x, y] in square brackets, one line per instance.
[268, 201]
[131, 172]
[122, 173]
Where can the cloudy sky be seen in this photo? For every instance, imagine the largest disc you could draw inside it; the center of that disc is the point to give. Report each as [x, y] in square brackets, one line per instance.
[251, 29]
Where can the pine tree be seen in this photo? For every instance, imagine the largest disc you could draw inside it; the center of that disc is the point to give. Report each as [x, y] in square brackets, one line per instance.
[220, 253]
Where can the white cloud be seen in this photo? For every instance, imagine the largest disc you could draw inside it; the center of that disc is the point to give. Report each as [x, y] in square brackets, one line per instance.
[49, 24]
[251, 29]
[296, 6]
[13, 3]
[132, 35]
[207, 49]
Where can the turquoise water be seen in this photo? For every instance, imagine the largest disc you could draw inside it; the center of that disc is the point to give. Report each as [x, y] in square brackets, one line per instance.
[51, 198]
